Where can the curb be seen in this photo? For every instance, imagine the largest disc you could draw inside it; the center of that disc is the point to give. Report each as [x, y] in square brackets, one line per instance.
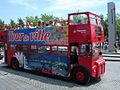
[111, 56]
[112, 60]
[110, 53]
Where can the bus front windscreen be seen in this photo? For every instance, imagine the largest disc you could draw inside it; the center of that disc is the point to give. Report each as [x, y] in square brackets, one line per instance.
[78, 19]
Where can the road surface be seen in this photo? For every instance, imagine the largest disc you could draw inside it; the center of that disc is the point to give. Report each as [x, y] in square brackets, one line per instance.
[22, 80]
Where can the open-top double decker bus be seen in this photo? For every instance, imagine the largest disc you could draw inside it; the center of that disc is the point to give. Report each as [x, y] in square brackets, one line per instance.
[68, 51]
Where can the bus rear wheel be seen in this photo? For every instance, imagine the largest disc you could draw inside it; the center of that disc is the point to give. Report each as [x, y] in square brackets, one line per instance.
[81, 76]
[15, 64]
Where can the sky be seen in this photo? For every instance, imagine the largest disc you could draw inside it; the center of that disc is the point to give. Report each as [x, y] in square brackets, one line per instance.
[14, 9]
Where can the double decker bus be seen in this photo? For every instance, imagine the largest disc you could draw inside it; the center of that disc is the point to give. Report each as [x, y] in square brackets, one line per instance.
[72, 51]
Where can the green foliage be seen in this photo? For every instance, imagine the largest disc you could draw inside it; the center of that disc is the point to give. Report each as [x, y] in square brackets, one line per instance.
[36, 19]
[20, 22]
[29, 19]
[105, 26]
[77, 18]
[46, 18]
[1, 22]
[12, 23]
[118, 25]
[33, 20]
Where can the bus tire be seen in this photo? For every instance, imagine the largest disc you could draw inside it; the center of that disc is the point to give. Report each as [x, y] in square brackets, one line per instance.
[81, 76]
[15, 64]
[97, 79]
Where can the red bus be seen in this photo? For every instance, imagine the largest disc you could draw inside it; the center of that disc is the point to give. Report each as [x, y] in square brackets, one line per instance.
[70, 51]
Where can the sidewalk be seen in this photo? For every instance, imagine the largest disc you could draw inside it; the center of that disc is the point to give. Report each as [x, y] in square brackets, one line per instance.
[111, 52]
[111, 56]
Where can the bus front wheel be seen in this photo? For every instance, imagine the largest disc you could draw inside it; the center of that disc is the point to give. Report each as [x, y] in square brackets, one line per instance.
[15, 64]
[81, 76]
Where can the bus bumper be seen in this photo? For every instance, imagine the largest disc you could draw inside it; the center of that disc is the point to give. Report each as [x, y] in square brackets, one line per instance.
[99, 68]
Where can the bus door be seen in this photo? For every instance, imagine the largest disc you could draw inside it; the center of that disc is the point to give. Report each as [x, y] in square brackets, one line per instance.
[73, 53]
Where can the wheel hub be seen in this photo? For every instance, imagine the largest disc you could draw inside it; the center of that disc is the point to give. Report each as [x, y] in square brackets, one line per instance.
[80, 76]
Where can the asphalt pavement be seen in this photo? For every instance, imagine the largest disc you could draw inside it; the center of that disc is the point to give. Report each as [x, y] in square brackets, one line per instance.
[22, 80]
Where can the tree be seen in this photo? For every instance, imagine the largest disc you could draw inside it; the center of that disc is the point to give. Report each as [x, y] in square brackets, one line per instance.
[47, 18]
[77, 18]
[20, 22]
[30, 19]
[118, 25]
[36, 20]
[105, 26]
[1, 22]
[12, 23]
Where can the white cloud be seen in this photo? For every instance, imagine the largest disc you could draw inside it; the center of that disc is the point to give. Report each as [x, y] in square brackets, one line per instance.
[27, 4]
[62, 7]
[74, 4]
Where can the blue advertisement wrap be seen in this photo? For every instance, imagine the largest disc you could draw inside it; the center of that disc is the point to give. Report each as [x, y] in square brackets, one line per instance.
[57, 65]
[43, 35]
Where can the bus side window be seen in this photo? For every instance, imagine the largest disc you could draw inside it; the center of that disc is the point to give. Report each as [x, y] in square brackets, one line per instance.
[98, 31]
[54, 50]
[93, 19]
[25, 48]
[47, 49]
[74, 50]
[19, 47]
[33, 48]
[85, 49]
[13, 47]
[82, 50]
[62, 50]
[43, 49]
